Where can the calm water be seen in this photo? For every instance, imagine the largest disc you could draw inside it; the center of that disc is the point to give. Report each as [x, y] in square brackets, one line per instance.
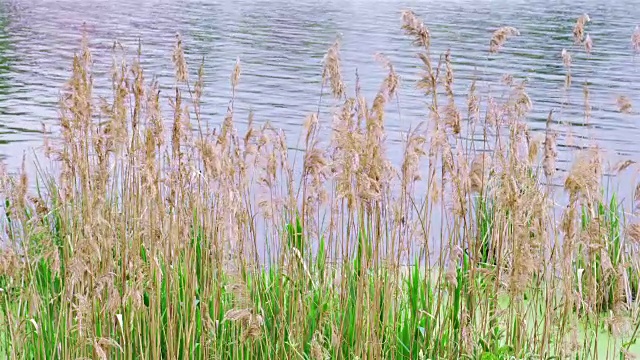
[281, 44]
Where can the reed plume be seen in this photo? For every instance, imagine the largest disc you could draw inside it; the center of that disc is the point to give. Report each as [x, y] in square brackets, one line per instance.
[635, 39]
[578, 29]
[566, 59]
[332, 72]
[624, 104]
[588, 44]
[500, 37]
[179, 61]
[415, 28]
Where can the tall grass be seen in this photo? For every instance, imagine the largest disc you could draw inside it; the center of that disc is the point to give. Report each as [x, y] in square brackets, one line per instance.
[164, 238]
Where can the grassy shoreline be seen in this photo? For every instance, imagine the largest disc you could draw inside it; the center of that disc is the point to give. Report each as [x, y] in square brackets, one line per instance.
[164, 238]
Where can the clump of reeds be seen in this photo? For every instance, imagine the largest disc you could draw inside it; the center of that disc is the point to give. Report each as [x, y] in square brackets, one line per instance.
[159, 236]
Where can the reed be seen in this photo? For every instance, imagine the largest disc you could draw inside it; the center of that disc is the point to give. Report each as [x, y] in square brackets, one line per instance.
[149, 235]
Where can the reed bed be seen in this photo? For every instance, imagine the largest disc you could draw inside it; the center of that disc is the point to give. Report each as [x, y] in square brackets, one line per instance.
[156, 236]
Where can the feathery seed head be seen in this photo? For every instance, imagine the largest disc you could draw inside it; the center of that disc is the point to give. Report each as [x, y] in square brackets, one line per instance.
[235, 75]
[588, 44]
[624, 104]
[179, 60]
[413, 26]
[332, 71]
[500, 37]
[566, 58]
[635, 39]
[578, 29]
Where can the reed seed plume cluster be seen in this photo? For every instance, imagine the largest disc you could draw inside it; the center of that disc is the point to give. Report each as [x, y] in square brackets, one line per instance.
[501, 36]
[624, 104]
[579, 28]
[147, 232]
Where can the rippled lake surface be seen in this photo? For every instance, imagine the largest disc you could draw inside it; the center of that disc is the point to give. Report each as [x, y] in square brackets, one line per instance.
[281, 44]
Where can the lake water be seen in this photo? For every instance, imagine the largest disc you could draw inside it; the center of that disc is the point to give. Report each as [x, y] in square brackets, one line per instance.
[281, 44]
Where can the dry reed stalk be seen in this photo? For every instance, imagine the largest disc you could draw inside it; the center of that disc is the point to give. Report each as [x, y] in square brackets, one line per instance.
[500, 37]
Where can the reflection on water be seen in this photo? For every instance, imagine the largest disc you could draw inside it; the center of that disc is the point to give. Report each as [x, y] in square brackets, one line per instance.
[281, 44]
